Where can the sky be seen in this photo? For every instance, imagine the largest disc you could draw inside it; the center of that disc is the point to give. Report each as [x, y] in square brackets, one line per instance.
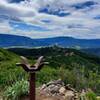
[51, 18]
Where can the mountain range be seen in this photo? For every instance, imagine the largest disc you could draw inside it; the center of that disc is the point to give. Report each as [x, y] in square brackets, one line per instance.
[22, 41]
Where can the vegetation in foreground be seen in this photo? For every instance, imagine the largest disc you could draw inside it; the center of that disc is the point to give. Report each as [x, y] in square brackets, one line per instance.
[72, 66]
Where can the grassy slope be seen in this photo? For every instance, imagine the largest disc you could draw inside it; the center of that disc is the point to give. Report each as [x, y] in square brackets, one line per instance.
[62, 65]
[9, 73]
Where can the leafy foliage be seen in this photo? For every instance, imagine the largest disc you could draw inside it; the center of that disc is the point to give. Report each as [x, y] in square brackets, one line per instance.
[9, 73]
[72, 66]
[91, 96]
[18, 89]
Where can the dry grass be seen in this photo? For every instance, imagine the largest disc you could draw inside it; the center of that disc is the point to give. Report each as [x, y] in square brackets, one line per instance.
[98, 97]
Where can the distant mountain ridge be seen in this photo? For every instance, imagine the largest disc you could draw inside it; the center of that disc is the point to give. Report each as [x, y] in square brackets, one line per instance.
[14, 40]
[93, 51]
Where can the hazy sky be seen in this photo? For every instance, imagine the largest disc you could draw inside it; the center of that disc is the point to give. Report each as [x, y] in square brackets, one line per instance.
[50, 18]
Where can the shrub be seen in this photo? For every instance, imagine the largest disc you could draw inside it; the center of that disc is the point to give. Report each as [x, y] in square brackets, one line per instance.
[16, 90]
[91, 95]
[46, 74]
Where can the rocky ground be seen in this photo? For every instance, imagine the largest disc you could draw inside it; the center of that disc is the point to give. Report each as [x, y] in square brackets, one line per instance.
[57, 90]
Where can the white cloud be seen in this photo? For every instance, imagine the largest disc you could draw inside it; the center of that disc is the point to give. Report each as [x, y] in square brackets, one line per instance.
[17, 10]
[5, 27]
[79, 23]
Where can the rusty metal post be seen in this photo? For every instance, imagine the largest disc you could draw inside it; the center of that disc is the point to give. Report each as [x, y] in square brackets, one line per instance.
[32, 69]
[32, 86]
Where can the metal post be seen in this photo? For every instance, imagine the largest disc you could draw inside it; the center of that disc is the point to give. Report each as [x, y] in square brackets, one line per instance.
[32, 86]
[32, 69]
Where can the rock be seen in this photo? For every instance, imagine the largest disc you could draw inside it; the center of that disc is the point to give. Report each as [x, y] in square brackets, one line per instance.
[57, 88]
[72, 53]
[68, 87]
[56, 82]
[62, 90]
[43, 86]
[69, 95]
[76, 96]
[54, 89]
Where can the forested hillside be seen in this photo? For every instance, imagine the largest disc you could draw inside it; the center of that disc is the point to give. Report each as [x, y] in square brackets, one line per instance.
[72, 66]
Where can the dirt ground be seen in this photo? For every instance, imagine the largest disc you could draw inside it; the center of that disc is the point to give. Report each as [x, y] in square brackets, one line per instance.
[43, 97]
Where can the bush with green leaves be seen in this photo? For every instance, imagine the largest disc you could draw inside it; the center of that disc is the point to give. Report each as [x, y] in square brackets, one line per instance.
[47, 74]
[91, 95]
[18, 89]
